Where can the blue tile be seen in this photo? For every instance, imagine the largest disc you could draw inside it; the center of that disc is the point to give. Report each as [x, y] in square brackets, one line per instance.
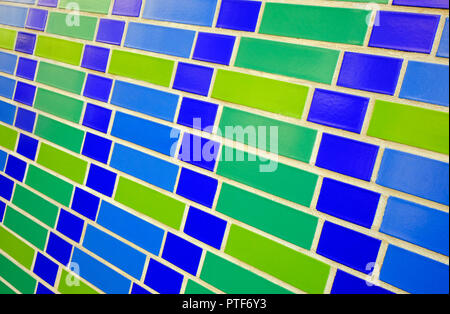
[2, 210]
[70, 225]
[7, 62]
[25, 93]
[110, 31]
[145, 100]
[414, 273]
[197, 114]
[27, 146]
[348, 202]
[96, 147]
[338, 110]
[215, 48]
[371, 73]
[136, 289]
[59, 249]
[347, 156]
[41, 289]
[25, 42]
[193, 78]
[26, 68]
[127, 7]
[205, 227]
[439, 4]
[37, 19]
[426, 82]
[195, 12]
[48, 3]
[101, 180]
[6, 187]
[136, 130]
[98, 87]
[95, 58]
[7, 86]
[241, 15]
[424, 226]
[3, 157]
[348, 247]
[198, 151]
[16, 168]
[100, 275]
[419, 176]
[443, 46]
[155, 38]
[46, 269]
[25, 120]
[13, 16]
[345, 283]
[145, 167]
[7, 112]
[131, 228]
[114, 251]
[182, 253]
[197, 187]
[85, 203]
[97, 117]
[163, 279]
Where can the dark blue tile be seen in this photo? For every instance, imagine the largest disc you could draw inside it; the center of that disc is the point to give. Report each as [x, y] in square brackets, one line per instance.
[345, 283]
[97, 118]
[26, 68]
[197, 187]
[16, 168]
[197, 114]
[371, 73]
[59, 249]
[241, 15]
[198, 151]
[46, 269]
[98, 87]
[127, 7]
[182, 253]
[85, 203]
[70, 225]
[136, 289]
[97, 147]
[338, 110]
[2, 210]
[347, 156]
[27, 146]
[214, 48]
[101, 180]
[193, 78]
[6, 187]
[25, 93]
[41, 289]
[439, 4]
[110, 31]
[205, 227]
[25, 42]
[95, 58]
[163, 279]
[348, 202]
[37, 19]
[25, 120]
[48, 3]
[348, 247]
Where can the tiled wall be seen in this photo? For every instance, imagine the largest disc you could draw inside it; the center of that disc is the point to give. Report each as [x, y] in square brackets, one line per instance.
[92, 107]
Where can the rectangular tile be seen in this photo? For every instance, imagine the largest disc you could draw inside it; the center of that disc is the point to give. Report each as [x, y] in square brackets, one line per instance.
[62, 106]
[63, 24]
[65, 287]
[8, 137]
[12, 273]
[7, 62]
[98, 6]
[16, 248]
[12, 15]
[59, 50]
[7, 38]
[60, 77]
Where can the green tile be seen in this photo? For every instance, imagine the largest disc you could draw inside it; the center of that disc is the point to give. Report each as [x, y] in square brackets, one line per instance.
[63, 163]
[413, 126]
[59, 133]
[8, 137]
[292, 141]
[62, 106]
[97, 6]
[71, 25]
[66, 285]
[158, 206]
[59, 50]
[194, 288]
[281, 221]
[35, 205]
[303, 62]
[60, 77]
[144, 68]
[286, 264]
[339, 25]
[17, 277]
[49, 185]
[7, 38]
[16, 248]
[261, 93]
[4, 289]
[233, 279]
[26, 228]
[278, 179]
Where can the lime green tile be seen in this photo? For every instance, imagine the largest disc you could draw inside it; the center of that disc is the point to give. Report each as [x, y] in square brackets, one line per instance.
[286, 264]
[194, 288]
[35, 205]
[49, 185]
[8, 137]
[60, 77]
[16, 248]
[303, 62]
[59, 50]
[4, 289]
[59, 105]
[289, 140]
[7, 38]
[63, 163]
[151, 203]
[339, 25]
[261, 93]
[275, 178]
[144, 68]
[233, 279]
[413, 126]
[281, 221]
[66, 285]
[72, 25]
[16, 276]
[97, 6]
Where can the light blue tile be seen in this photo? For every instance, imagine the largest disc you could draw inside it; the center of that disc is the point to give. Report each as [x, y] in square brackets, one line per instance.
[7, 112]
[21, 1]
[13, 16]
[3, 157]
[443, 46]
[7, 86]
[7, 62]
